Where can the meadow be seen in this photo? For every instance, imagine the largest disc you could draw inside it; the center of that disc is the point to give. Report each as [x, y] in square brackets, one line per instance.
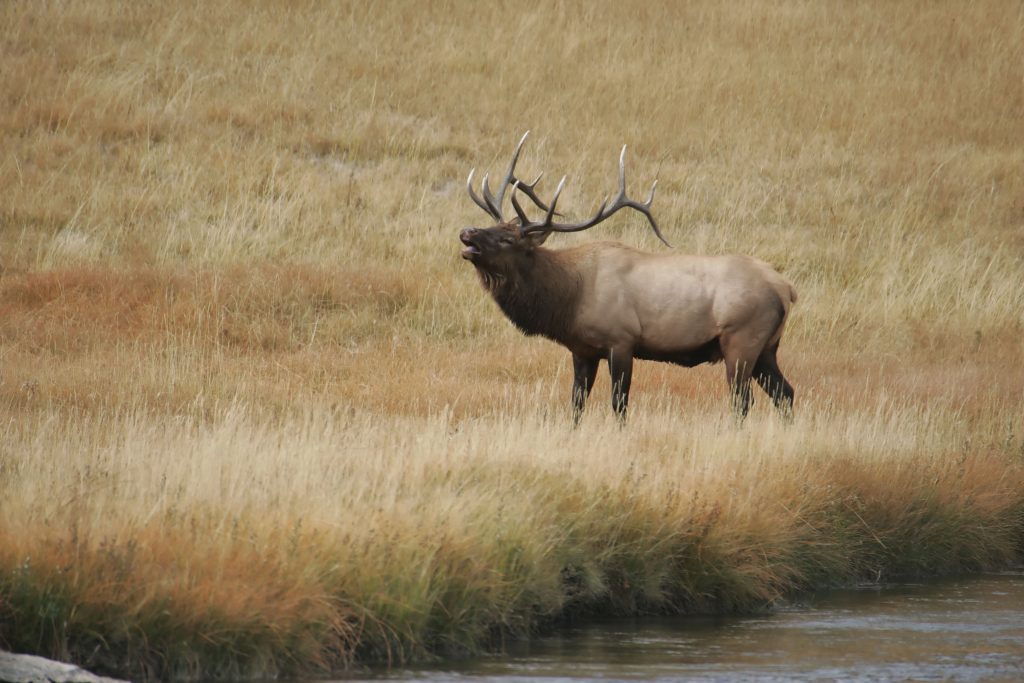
[258, 416]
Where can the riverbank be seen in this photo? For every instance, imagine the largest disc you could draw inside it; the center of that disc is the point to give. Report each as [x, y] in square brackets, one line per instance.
[232, 545]
[963, 629]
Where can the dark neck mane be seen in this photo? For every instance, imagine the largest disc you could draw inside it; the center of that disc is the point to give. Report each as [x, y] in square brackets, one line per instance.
[539, 294]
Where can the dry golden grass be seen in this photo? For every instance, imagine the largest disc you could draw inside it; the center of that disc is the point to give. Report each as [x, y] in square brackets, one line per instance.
[258, 413]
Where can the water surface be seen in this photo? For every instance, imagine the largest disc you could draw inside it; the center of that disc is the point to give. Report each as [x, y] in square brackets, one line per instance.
[955, 630]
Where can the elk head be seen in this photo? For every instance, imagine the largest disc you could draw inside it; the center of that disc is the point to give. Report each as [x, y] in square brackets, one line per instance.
[496, 248]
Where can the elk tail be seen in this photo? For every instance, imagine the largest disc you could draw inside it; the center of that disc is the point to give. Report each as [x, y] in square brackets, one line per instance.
[785, 303]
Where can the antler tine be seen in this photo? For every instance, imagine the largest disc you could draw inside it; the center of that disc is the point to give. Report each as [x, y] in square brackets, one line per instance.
[605, 211]
[510, 176]
[491, 203]
[650, 200]
[529, 190]
[554, 201]
[525, 225]
[645, 207]
[622, 174]
[476, 198]
[495, 205]
[523, 220]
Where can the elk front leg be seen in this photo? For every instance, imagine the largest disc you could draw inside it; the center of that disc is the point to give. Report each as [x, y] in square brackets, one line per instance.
[620, 363]
[584, 370]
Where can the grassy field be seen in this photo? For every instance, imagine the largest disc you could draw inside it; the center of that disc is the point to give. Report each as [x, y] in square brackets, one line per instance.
[258, 416]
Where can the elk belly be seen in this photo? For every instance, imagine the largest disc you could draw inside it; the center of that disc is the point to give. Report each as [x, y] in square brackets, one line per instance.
[709, 352]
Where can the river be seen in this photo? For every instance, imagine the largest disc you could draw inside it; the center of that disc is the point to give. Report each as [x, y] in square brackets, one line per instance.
[969, 629]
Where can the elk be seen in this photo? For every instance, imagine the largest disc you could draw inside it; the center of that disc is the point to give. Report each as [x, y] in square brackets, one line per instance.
[607, 301]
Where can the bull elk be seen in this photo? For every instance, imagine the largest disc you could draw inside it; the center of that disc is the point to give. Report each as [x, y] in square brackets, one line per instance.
[606, 301]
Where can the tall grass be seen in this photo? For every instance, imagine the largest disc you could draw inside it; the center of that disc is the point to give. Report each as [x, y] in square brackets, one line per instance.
[231, 543]
[259, 417]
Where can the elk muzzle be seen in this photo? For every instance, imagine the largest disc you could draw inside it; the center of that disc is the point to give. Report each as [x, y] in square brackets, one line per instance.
[467, 237]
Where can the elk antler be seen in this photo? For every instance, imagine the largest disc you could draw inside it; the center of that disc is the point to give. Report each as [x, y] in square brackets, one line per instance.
[605, 211]
[492, 204]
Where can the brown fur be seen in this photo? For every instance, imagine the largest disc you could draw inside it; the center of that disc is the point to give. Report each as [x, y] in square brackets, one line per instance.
[606, 301]
[540, 296]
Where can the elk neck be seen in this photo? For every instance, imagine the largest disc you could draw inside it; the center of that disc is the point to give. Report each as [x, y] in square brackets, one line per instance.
[539, 292]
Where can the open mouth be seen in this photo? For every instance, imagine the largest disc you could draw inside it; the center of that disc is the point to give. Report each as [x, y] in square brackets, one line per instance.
[471, 249]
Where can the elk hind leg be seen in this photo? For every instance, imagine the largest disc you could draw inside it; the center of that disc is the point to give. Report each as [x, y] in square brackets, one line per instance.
[739, 366]
[620, 364]
[737, 373]
[770, 378]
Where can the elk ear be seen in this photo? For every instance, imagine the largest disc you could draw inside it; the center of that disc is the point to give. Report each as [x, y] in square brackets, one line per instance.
[535, 239]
